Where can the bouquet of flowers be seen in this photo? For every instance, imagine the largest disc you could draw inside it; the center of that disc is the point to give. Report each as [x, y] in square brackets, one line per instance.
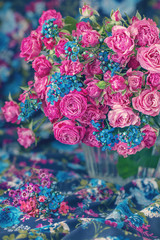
[97, 84]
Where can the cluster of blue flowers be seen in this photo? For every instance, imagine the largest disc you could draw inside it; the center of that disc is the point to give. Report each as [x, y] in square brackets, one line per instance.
[72, 50]
[28, 108]
[132, 136]
[107, 63]
[61, 85]
[53, 200]
[105, 136]
[49, 29]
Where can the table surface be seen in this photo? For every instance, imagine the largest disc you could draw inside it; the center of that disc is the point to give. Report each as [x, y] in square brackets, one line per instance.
[94, 209]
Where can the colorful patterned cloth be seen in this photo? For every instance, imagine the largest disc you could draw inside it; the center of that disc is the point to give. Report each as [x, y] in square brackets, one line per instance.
[91, 209]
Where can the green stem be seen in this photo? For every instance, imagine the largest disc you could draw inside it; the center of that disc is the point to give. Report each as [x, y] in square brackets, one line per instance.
[43, 120]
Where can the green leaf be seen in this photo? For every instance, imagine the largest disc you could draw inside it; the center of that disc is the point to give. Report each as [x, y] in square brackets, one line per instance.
[21, 236]
[126, 167]
[101, 84]
[25, 88]
[10, 97]
[138, 15]
[70, 24]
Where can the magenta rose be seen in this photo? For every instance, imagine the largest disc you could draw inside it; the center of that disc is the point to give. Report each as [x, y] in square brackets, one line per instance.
[40, 86]
[135, 80]
[149, 58]
[133, 63]
[31, 47]
[122, 117]
[153, 80]
[116, 16]
[92, 113]
[122, 149]
[25, 137]
[73, 105]
[83, 26]
[49, 43]
[92, 68]
[42, 66]
[70, 68]
[118, 83]
[59, 48]
[120, 41]
[90, 139]
[52, 111]
[68, 132]
[150, 136]
[148, 102]
[121, 59]
[92, 89]
[49, 14]
[11, 111]
[144, 32]
[90, 38]
[112, 99]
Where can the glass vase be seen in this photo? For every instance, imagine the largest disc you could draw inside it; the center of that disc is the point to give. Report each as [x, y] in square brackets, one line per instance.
[106, 165]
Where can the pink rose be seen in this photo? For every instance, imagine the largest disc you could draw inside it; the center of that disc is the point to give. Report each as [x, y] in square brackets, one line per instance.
[122, 117]
[73, 105]
[133, 63]
[92, 89]
[92, 113]
[116, 98]
[11, 111]
[153, 80]
[122, 149]
[121, 59]
[116, 16]
[40, 86]
[68, 132]
[117, 83]
[59, 48]
[52, 111]
[120, 41]
[31, 47]
[49, 43]
[90, 38]
[25, 137]
[70, 68]
[83, 26]
[135, 80]
[150, 137]
[144, 32]
[87, 11]
[90, 139]
[42, 66]
[49, 14]
[92, 68]
[149, 58]
[148, 102]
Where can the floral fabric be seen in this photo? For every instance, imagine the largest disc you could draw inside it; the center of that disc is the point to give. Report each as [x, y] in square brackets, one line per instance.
[91, 209]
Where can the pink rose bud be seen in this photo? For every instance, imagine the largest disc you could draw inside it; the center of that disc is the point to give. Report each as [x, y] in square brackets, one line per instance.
[25, 137]
[87, 11]
[116, 16]
[11, 111]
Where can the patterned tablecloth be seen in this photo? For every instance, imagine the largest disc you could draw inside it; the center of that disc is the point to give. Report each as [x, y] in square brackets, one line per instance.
[91, 209]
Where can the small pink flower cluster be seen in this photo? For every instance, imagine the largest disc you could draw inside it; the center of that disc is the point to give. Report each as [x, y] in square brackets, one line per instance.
[87, 75]
[39, 198]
